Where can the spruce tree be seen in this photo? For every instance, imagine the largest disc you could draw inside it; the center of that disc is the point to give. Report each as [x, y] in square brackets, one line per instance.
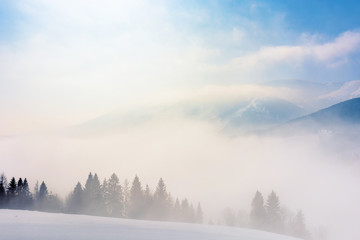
[26, 194]
[161, 201]
[11, 193]
[299, 228]
[126, 200]
[3, 179]
[2, 194]
[274, 220]
[76, 199]
[148, 203]
[185, 211]
[36, 191]
[136, 203]
[20, 194]
[199, 214]
[41, 202]
[258, 214]
[192, 214]
[43, 192]
[229, 217]
[176, 213]
[114, 196]
[93, 201]
[3, 189]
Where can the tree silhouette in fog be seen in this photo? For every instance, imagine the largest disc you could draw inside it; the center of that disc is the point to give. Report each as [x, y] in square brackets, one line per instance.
[115, 200]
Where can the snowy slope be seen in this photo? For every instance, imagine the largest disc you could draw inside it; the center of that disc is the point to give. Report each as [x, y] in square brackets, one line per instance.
[17, 224]
[348, 91]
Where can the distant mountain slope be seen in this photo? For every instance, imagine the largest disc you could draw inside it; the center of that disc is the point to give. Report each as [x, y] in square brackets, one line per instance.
[347, 91]
[29, 225]
[247, 115]
[341, 119]
[343, 112]
[260, 112]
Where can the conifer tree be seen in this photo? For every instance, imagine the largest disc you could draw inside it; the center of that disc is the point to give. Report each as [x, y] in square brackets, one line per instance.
[229, 217]
[274, 220]
[199, 214]
[191, 214]
[148, 203]
[26, 195]
[161, 201]
[126, 200]
[3, 189]
[20, 194]
[114, 196]
[20, 185]
[76, 199]
[185, 211]
[258, 214]
[105, 195]
[43, 192]
[299, 228]
[36, 191]
[11, 193]
[136, 203]
[2, 194]
[42, 197]
[176, 213]
[3, 179]
[93, 202]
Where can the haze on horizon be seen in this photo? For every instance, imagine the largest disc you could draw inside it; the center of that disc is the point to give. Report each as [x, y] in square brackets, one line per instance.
[140, 87]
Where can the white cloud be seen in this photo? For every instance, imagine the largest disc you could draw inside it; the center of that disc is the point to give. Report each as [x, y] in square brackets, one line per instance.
[328, 53]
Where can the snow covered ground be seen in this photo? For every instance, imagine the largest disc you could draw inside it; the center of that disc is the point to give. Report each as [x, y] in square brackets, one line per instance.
[24, 225]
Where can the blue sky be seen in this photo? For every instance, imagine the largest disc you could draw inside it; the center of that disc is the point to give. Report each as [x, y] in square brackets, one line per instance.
[316, 17]
[80, 59]
[328, 17]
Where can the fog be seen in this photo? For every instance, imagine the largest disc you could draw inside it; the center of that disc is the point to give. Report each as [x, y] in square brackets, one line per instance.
[316, 173]
[196, 93]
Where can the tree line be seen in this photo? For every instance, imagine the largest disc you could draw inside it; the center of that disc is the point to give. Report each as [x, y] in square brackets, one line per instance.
[110, 198]
[269, 216]
[107, 199]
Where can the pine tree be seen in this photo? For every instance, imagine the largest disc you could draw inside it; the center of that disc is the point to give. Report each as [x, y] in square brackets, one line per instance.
[299, 228]
[229, 217]
[93, 201]
[36, 191]
[3, 179]
[3, 189]
[185, 211]
[258, 214]
[176, 213]
[191, 214]
[126, 200]
[76, 200]
[199, 214]
[2, 194]
[41, 202]
[43, 192]
[26, 195]
[20, 194]
[274, 220]
[136, 203]
[11, 193]
[161, 201]
[148, 204]
[114, 196]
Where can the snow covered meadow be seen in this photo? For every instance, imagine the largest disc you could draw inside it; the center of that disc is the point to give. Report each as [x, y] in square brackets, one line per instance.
[31, 225]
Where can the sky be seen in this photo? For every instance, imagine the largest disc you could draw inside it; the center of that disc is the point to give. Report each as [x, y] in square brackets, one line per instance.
[83, 59]
[65, 63]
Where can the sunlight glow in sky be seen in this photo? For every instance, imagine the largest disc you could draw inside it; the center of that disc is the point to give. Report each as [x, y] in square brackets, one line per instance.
[83, 59]
[69, 63]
